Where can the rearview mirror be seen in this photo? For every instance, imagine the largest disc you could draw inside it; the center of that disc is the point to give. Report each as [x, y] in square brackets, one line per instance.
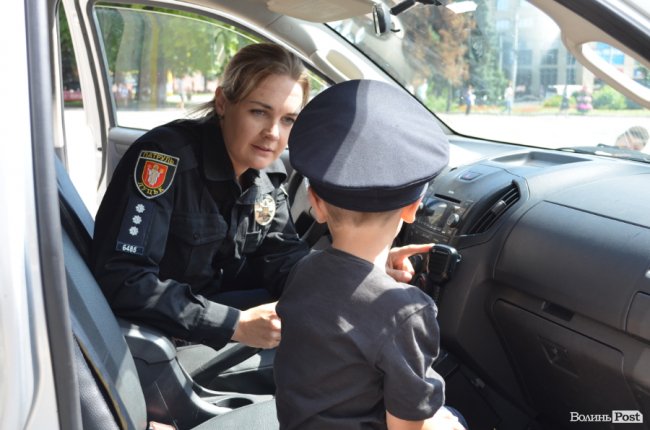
[381, 18]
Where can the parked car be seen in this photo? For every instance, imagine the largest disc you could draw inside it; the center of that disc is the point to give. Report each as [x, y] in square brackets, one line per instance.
[545, 319]
[72, 92]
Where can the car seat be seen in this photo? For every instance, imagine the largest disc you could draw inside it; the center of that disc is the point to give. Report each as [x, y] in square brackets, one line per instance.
[112, 396]
[235, 367]
[124, 385]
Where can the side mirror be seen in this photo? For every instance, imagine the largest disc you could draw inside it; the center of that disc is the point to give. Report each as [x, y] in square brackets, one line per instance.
[381, 18]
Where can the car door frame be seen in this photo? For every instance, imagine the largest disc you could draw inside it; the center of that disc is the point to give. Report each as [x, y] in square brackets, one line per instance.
[39, 387]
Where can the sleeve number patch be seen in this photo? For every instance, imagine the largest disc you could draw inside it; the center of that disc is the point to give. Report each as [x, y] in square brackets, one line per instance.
[135, 226]
[130, 249]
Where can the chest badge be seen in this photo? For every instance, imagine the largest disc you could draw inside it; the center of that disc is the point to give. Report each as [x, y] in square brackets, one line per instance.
[154, 173]
[264, 209]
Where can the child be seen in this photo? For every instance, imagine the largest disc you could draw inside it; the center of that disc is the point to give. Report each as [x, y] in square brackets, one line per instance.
[357, 347]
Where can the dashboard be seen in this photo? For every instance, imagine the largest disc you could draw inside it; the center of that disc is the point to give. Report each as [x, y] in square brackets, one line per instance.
[550, 305]
[464, 201]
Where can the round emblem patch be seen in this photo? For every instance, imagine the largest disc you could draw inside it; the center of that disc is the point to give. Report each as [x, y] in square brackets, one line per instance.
[264, 209]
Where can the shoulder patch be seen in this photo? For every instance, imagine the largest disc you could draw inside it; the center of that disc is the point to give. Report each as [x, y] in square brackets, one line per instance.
[154, 173]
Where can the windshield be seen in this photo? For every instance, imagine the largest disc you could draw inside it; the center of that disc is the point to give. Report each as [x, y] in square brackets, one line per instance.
[498, 70]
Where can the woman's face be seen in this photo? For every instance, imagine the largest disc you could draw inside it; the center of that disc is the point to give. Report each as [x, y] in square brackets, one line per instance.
[256, 129]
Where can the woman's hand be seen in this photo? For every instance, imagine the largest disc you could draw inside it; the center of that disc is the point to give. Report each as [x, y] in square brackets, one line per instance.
[399, 266]
[258, 327]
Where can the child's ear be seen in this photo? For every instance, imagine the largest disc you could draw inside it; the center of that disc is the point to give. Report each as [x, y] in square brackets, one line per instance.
[408, 212]
[319, 209]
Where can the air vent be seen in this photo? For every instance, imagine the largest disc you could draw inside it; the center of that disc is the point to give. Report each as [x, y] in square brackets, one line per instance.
[486, 220]
[450, 199]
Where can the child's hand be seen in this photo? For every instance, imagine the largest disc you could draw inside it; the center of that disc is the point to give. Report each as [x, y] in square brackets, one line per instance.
[399, 266]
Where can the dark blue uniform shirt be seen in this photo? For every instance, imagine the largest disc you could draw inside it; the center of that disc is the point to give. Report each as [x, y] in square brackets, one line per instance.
[175, 228]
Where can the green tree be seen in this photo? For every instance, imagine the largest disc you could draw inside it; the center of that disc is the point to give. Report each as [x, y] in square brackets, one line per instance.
[149, 45]
[608, 98]
[484, 70]
[452, 31]
[443, 42]
[70, 74]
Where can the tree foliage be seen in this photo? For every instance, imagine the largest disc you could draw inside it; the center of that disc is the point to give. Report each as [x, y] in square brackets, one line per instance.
[608, 98]
[444, 43]
[69, 71]
[144, 47]
[484, 69]
[462, 46]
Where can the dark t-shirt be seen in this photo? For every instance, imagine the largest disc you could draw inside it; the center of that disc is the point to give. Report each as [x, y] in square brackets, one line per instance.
[355, 343]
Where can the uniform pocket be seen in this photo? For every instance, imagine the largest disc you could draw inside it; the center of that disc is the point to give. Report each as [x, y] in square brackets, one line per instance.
[196, 238]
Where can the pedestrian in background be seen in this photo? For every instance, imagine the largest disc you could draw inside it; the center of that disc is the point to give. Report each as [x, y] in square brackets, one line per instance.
[469, 99]
[509, 98]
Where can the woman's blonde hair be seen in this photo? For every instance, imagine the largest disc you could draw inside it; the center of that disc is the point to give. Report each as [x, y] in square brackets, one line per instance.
[254, 63]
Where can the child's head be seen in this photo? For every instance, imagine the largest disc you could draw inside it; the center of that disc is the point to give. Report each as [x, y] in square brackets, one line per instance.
[367, 146]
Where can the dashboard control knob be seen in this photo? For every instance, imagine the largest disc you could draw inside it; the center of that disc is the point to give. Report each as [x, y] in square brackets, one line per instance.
[453, 220]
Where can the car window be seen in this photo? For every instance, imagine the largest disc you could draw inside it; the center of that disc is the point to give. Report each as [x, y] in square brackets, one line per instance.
[164, 63]
[69, 72]
[499, 70]
[79, 150]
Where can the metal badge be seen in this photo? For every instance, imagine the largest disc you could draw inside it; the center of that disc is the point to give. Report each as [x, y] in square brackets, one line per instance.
[264, 209]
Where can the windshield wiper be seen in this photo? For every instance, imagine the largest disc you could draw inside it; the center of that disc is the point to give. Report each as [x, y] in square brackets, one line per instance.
[406, 4]
[608, 151]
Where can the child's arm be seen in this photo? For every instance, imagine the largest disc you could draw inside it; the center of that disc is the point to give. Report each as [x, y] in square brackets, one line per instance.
[442, 420]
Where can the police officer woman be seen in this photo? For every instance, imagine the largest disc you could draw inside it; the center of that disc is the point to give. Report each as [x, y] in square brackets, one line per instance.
[194, 225]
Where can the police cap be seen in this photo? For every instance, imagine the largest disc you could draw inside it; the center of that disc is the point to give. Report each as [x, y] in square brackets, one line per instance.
[367, 146]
